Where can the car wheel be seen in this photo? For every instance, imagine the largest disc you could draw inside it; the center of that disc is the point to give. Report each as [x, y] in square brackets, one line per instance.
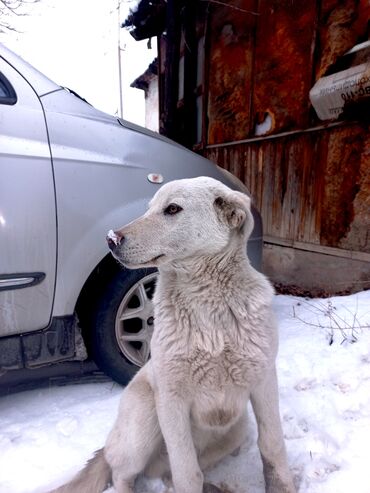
[123, 325]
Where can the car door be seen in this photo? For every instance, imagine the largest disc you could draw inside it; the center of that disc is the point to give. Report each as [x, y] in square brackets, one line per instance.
[28, 238]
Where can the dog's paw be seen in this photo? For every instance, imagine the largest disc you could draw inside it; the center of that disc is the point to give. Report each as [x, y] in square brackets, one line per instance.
[211, 488]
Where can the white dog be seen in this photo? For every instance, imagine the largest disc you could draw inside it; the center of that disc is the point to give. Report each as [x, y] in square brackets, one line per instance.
[213, 348]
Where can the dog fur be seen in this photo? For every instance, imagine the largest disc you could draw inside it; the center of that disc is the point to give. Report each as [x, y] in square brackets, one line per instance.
[213, 347]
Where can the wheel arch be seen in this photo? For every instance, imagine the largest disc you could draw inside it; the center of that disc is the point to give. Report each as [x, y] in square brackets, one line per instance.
[93, 288]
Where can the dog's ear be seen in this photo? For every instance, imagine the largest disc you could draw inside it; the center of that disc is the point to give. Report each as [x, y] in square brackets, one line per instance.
[233, 209]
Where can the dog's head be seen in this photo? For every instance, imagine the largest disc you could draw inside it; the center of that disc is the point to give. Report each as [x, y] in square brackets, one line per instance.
[186, 218]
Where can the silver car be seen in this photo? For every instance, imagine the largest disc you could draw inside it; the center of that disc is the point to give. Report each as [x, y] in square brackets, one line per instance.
[68, 173]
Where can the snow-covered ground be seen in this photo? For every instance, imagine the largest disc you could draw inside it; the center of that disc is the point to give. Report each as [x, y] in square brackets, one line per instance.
[47, 435]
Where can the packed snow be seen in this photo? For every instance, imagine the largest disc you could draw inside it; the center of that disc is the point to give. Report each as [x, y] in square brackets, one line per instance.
[324, 372]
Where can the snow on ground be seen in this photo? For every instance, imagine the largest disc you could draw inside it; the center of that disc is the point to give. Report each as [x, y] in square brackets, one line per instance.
[47, 435]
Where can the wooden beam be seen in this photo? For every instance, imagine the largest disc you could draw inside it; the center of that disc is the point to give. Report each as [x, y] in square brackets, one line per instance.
[171, 77]
[190, 73]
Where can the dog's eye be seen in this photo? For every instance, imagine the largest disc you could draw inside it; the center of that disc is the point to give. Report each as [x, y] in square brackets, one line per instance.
[172, 209]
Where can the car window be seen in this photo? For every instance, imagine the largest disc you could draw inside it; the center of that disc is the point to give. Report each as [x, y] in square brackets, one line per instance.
[7, 93]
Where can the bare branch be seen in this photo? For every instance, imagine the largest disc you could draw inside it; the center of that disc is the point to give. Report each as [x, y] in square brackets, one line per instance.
[8, 8]
[348, 329]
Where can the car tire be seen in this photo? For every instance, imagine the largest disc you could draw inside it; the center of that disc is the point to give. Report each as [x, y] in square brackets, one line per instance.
[123, 324]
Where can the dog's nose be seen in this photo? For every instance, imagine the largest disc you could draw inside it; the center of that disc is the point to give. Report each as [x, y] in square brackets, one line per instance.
[111, 243]
[114, 238]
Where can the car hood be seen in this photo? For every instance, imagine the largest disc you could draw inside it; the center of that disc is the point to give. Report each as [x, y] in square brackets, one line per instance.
[59, 100]
[70, 112]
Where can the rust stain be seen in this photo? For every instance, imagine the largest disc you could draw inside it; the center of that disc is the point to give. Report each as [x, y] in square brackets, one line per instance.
[342, 170]
[283, 61]
[261, 68]
[359, 233]
[230, 73]
[341, 26]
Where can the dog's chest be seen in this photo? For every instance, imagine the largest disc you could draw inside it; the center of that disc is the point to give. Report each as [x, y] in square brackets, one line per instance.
[216, 342]
[213, 349]
[219, 408]
[233, 366]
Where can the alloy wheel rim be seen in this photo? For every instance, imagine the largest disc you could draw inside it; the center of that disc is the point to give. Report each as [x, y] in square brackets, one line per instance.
[134, 323]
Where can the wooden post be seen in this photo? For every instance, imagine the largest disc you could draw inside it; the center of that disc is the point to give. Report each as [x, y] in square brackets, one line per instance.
[171, 76]
[190, 74]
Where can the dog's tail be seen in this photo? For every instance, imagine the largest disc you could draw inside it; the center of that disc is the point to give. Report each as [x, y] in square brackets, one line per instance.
[94, 477]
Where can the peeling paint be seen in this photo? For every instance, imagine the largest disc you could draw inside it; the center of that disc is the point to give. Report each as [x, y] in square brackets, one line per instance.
[265, 126]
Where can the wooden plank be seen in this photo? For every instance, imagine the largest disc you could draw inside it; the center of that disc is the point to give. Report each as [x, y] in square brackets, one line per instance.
[312, 247]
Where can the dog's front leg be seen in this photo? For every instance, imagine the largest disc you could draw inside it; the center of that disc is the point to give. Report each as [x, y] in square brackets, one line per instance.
[174, 420]
[265, 402]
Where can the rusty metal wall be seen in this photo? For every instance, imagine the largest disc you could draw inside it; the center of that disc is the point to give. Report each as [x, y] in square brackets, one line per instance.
[265, 55]
[260, 62]
[340, 25]
[311, 186]
[230, 40]
[284, 46]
